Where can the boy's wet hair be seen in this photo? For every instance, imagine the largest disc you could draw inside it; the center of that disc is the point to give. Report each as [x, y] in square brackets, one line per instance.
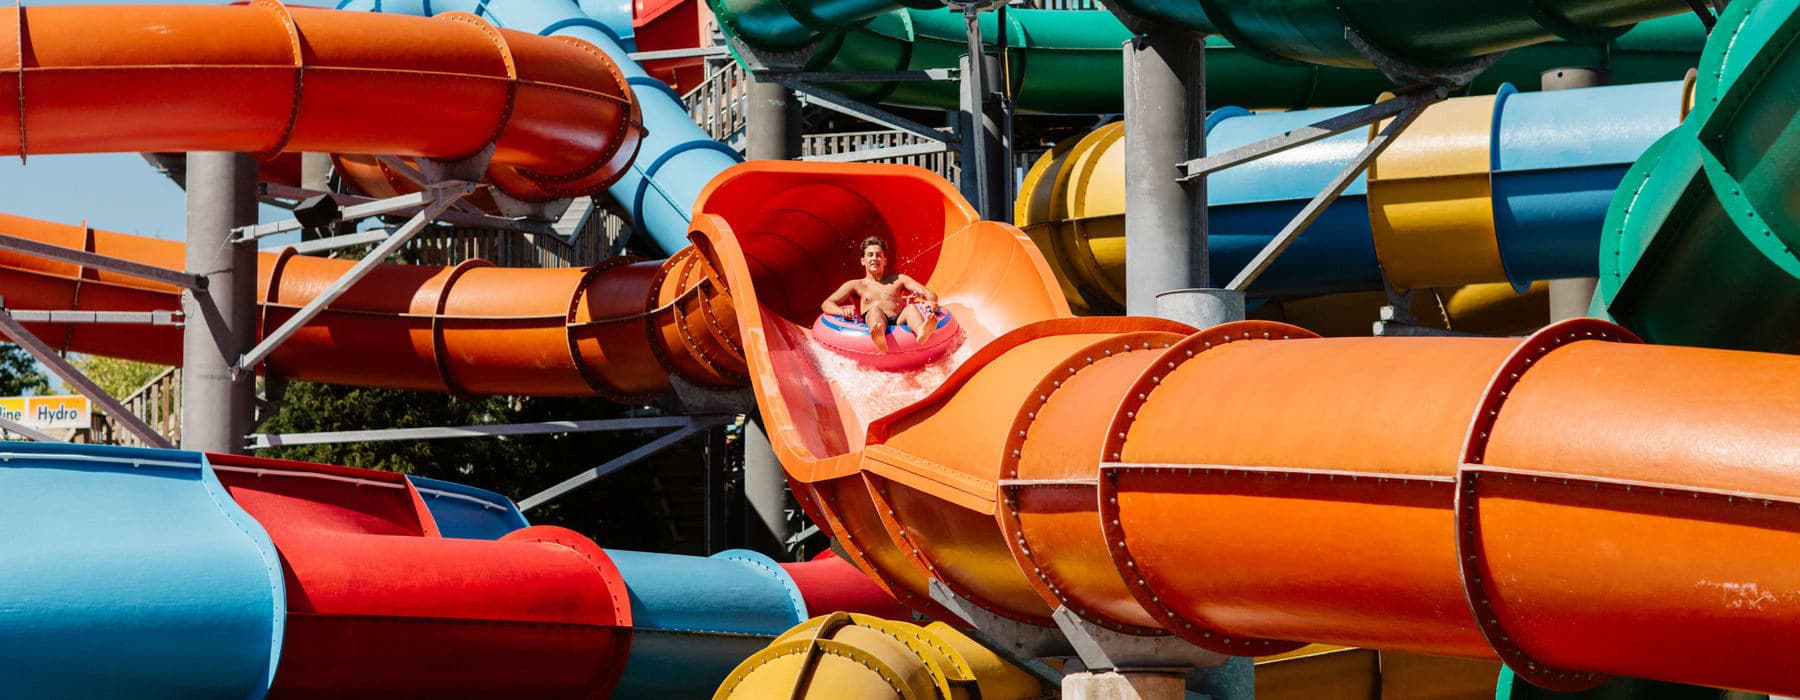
[876, 241]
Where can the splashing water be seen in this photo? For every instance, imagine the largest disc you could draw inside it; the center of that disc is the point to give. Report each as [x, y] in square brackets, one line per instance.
[873, 393]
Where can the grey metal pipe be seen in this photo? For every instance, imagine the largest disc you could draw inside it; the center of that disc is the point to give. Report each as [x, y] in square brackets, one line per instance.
[773, 124]
[765, 484]
[217, 408]
[1165, 117]
[1570, 298]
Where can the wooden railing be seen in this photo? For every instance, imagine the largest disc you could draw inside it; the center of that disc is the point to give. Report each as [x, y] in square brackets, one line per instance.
[157, 402]
[719, 103]
[849, 143]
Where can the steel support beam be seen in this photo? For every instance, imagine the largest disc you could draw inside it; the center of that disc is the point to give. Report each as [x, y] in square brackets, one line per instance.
[700, 423]
[1310, 213]
[844, 105]
[920, 149]
[1165, 110]
[261, 440]
[460, 218]
[1415, 97]
[695, 52]
[410, 203]
[73, 377]
[143, 318]
[102, 262]
[218, 405]
[440, 200]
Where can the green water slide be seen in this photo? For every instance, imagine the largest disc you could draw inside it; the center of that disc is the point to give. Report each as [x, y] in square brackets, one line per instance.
[1700, 246]
[1070, 61]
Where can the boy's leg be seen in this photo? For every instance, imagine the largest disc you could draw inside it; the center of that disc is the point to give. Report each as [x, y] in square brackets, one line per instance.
[915, 319]
[877, 328]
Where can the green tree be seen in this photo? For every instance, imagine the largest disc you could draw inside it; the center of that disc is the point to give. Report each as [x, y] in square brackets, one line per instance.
[620, 510]
[118, 377]
[19, 372]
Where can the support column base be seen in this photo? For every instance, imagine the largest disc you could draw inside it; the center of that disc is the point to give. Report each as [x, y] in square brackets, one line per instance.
[1201, 308]
[1127, 685]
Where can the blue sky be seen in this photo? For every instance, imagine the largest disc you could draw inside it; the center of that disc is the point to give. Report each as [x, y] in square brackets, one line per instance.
[113, 191]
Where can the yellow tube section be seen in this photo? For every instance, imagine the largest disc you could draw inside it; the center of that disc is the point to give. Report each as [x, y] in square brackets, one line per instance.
[847, 655]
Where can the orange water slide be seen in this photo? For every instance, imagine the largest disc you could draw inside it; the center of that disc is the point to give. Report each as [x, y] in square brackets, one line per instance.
[618, 329]
[264, 78]
[1575, 503]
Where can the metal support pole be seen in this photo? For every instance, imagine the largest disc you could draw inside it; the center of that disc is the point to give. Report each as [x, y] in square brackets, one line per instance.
[765, 486]
[1570, 298]
[984, 167]
[1165, 116]
[716, 536]
[773, 124]
[217, 404]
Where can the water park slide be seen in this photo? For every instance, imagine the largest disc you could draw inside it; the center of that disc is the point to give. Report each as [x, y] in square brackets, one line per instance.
[264, 78]
[1511, 187]
[675, 158]
[1701, 243]
[309, 580]
[1063, 61]
[1442, 523]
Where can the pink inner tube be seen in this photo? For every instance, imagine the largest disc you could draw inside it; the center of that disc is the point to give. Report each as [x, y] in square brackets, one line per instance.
[851, 339]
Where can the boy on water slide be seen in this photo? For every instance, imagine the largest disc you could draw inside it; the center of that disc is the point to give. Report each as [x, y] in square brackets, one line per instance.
[879, 294]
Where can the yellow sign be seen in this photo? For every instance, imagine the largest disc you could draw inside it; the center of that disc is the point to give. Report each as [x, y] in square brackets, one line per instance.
[48, 412]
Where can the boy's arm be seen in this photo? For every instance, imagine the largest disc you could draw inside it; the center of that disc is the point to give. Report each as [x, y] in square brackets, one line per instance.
[833, 305]
[912, 285]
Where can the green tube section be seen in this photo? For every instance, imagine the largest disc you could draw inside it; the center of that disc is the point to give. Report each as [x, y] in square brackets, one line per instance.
[1070, 61]
[1700, 245]
[1428, 33]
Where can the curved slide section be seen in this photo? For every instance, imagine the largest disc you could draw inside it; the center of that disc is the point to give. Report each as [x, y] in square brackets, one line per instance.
[844, 655]
[89, 527]
[1702, 244]
[1069, 62]
[676, 158]
[265, 78]
[1440, 524]
[1511, 187]
[618, 329]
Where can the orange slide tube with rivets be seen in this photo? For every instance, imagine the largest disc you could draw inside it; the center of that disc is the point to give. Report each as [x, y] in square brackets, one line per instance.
[555, 113]
[619, 329]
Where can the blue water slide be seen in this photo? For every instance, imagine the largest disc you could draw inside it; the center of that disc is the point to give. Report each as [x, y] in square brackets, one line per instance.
[131, 573]
[696, 618]
[676, 160]
[466, 512]
[1557, 158]
[1250, 202]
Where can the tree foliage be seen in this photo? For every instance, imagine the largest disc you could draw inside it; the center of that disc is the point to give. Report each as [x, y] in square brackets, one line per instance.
[625, 509]
[19, 372]
[118, 377]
